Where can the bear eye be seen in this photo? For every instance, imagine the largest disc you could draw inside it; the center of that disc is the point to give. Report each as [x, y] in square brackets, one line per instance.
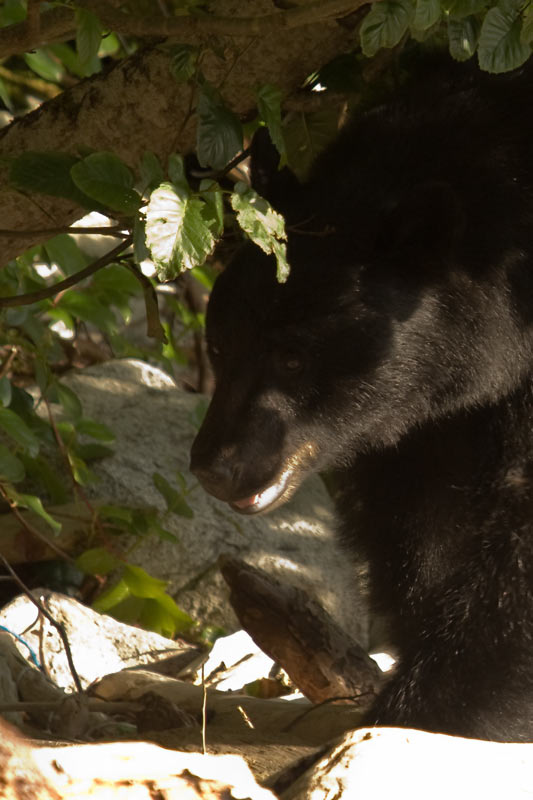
[291, 362]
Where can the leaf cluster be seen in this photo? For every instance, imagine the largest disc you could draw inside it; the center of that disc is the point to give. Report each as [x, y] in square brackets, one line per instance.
[501, 34]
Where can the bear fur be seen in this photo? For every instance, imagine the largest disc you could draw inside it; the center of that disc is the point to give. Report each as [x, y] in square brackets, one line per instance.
[399, 355]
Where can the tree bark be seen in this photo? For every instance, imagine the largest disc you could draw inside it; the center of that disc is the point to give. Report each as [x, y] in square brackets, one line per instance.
[136, 105]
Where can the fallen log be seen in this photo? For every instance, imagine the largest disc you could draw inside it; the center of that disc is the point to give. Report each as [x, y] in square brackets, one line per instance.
[320, 658]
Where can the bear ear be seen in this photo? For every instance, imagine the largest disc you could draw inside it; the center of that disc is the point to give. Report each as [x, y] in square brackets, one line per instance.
[424, 227]
[278, 186]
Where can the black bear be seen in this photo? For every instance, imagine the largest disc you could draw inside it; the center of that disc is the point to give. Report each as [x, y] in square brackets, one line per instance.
[399, 354]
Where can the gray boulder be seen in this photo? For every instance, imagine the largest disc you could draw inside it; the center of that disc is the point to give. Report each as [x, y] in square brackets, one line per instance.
[155, 423]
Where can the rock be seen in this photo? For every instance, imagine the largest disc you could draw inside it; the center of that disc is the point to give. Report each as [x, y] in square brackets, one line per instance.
[417, 765]
[99, 644]
[155, 423]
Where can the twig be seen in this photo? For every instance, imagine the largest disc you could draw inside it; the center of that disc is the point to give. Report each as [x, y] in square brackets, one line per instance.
[42, 294]
[103, 230]
[57, 625]
[217, 174]
[78, 490]
[204, 711]
[6, 366]
[38, 85]
[34, 531]
[102, 706]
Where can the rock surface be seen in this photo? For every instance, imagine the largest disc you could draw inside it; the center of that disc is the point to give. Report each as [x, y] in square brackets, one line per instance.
[155, 423]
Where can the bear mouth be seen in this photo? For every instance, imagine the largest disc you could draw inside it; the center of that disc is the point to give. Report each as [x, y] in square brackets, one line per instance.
[266, 498]
[297, 466]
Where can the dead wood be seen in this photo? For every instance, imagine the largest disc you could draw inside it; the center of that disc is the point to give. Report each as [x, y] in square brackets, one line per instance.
[288, 625]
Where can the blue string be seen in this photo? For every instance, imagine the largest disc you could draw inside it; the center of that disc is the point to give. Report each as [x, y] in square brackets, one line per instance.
[33, 657]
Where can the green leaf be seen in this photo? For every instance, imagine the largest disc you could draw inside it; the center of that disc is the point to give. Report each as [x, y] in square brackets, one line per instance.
[63, 251]
[88, 37]
[163, 534]
[11, 467]
[269, 105]
[97, 561]
[5, 391]
[70, 402]
[526, 34]
[81, 472]
[176, 171]
[116, 278]
[141, 584]
[151, 171]
[42, 473]
[71, 61]
[306, 135]
[163, 616]
[84, 306]
[92, 451]
[263, 225]
[47, 67]
[12, 11]
[112, 597]
[5, 96]
[213, 210]
[110, 513]
[17, 430]
[176, 232]
[219, 131]
[174, 500]
[184, 58]
[140, 249]
[458, 9]
[384, 25]
[427, 14]
[205, 275]
[96, 430]
[500, 48]
[34, 503]
[105, 178]
[48, 173]
[463, 35]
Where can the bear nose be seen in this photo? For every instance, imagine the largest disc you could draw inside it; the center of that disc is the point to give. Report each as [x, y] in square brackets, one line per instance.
[217, 474]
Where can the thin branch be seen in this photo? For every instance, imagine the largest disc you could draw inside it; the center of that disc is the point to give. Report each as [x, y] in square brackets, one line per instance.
[104, 230]
[178, 27]
[57, 625]
[32, 530]
[38, 85]
[50, 291]
[220, 173]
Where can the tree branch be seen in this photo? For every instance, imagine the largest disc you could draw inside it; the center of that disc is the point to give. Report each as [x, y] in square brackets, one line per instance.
[50, 291]
[59, 24]
[179, 27]
[56, 25]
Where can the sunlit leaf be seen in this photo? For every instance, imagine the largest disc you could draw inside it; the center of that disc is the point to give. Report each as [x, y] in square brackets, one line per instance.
[263, 225]
[176, 232]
